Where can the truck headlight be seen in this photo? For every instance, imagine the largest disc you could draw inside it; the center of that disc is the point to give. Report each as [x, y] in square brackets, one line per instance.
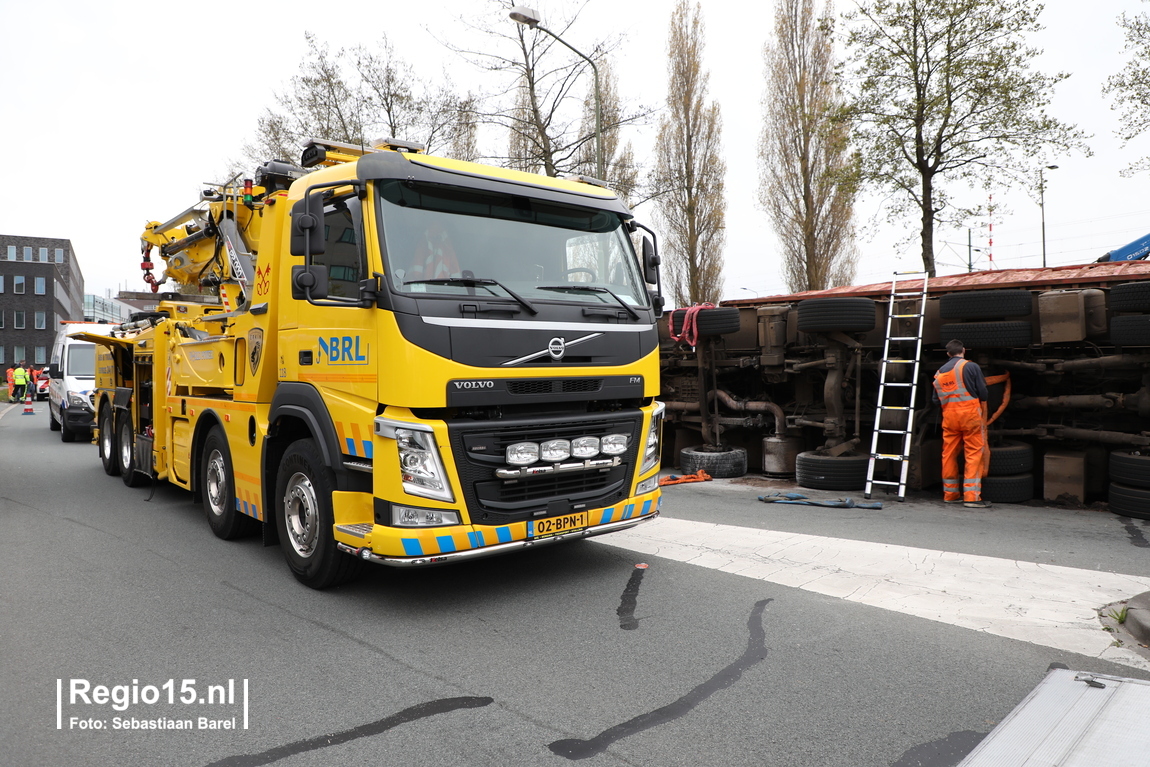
[654, 439]
[420, 466]
[77, 399]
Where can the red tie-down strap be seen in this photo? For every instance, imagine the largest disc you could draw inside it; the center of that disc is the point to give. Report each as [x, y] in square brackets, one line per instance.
[690, 331]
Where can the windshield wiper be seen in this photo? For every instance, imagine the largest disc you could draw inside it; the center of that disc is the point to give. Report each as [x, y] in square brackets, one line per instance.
[592, 289]
[472, 282]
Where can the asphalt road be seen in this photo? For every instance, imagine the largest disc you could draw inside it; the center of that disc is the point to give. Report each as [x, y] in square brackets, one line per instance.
[540, 658]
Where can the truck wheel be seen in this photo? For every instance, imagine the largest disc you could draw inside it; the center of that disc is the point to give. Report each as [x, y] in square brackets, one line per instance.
[53, 424]
[985, 304]
[709, 322]
[724, 464]
[831, 472]
[126, 438]
[1015, 488]
[1129, 501]
[218, 484]
[1011, 457]
[987, 335]
[824, 315]
[109, 456]
[1130, 297]
[304, 519]
[1130, 469]
[1131, 330]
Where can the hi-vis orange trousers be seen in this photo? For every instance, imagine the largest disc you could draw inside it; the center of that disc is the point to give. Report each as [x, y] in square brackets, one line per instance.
[964, 431]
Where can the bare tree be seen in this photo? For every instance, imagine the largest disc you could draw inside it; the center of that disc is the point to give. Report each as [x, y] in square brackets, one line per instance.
[540, 104]
[807, 184]
[356, 95]
[689, 169]
[1131, 87]
[944, 90]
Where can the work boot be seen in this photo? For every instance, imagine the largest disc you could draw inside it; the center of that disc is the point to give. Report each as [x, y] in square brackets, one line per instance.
[956, 500]
[977, 504]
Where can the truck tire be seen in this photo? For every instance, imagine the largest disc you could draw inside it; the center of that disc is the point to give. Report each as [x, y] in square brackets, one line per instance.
[1130, 469]
[304, 519]
[217, 480]
[66, 433]
[109, 455]
[725, 464]
[831, 472]
[1015, 488]
[826, 315]
[1131, 330]
[1130, 297]
[1129, 501]
[1011, 457]
[126, 442]
[709, 322]
[987, 335]
[985, 304]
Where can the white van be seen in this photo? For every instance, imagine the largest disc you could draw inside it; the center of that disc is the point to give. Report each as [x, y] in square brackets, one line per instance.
[73, 380]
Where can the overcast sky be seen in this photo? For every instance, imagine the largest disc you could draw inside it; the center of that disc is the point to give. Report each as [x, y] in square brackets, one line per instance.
[115, 113]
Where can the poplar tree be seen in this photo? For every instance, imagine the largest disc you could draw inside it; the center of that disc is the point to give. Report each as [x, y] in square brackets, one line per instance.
[688, 178]
[807, 183]
[1130, 88]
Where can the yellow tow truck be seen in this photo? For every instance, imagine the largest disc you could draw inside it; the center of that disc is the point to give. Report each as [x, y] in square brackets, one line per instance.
[411, 360]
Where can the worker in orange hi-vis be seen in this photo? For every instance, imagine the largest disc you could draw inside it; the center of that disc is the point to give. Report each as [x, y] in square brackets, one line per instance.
[960, 388]
[11, 382]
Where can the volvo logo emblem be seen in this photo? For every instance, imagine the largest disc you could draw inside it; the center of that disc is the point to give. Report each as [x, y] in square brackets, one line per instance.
[556, 347]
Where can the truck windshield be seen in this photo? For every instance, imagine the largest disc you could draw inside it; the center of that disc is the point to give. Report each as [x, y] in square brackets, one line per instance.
[81, 360]
[433, 233]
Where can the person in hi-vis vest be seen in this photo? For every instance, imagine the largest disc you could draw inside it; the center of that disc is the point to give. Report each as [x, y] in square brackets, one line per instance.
[960, 387]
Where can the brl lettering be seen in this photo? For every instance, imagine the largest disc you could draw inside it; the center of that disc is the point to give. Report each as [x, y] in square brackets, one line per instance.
[343, 350]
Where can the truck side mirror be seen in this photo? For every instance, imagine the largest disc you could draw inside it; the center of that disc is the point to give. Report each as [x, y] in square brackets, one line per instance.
[309, 282]
[307, 235]
[53, 370]
[651, 262]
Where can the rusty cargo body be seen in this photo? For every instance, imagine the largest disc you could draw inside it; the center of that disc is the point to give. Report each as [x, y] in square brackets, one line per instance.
[795, 379]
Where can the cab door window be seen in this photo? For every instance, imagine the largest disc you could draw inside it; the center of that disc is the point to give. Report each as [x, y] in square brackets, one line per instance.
[344, 256]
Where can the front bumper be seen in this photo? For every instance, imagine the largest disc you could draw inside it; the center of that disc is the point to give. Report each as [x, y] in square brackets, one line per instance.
[79, 418]
[368, 555]
[434, 546]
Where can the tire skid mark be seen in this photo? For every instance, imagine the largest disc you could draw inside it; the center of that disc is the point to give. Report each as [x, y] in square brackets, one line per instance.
[411, 714]
[630, 599]
[946, 752]
[574, 748]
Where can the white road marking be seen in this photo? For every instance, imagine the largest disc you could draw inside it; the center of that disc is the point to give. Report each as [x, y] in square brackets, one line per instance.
[1046, 605]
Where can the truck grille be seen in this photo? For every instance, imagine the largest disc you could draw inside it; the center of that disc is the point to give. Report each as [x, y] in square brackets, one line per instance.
[479, 450]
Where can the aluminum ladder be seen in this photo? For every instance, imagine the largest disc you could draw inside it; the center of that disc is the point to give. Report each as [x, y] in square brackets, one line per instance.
[897, 396]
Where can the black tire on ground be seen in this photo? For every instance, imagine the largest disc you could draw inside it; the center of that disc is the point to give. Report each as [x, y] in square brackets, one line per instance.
[1131, 330]
[1016, 488]
[824, 315]
[1129, 501]
[53, 424]
[987, 335]
[66, 433]
[831, 472]
[985, 304]
[109, 455]
[304, 519]
[1130, 469]
[731, 462]
[217, 482]
[1130, 297]
[126, 442]
[709, 322]
[1011, 457]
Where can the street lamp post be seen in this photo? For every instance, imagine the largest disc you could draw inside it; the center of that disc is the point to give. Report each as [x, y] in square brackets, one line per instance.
[1042, 207]
[530, 18]
[751, 291]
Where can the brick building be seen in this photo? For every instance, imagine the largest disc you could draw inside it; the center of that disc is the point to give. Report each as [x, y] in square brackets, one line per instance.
[40, 284]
